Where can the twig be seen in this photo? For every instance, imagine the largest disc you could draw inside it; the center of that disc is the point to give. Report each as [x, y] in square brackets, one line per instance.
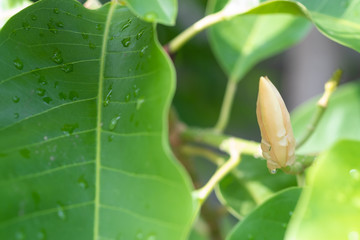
[322, 104]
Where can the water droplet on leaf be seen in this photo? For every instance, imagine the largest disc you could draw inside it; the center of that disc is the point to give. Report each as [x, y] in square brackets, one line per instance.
[126, 42]
[15, 99]
[57, 57]
[91, 45]
[67, 67]
[56, 11]
[16, 115]
[127, 97]
[47, 100]
[60, 24]
[113, 122]
[82, 182]
[60, 211]
[40, 92]
[62, 96]
[41, 235]
[85, 35]
[33, 17]
[126, 25]
[18, 64]
[273, 171]
[26, 26]
[139, 35]
[68, 129]
[73, 95]
[139, 102]
[98, 27]
[108, 97]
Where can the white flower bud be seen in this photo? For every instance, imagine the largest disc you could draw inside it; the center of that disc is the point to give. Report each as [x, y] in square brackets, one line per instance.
[277, 143]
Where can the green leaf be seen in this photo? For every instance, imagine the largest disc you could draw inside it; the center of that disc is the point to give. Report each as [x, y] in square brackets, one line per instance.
[162, 11]
[83, 128]
[330, 207]
[9, 8]
[269, 221]
[250, 184]
[251, 36]
[245, 40]
[341, 119]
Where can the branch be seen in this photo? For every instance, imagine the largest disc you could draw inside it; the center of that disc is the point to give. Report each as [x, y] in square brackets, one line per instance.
[322, 104]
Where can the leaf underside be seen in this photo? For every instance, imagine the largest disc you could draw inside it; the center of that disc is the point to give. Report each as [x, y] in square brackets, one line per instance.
[83, 137]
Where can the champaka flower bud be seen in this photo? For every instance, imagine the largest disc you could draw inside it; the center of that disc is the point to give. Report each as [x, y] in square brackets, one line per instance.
[278, 142]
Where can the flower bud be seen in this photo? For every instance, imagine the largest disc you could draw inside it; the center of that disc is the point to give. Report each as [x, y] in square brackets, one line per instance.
[277, 143]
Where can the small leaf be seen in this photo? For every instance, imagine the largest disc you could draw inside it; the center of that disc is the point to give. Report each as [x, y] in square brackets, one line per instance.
[329, 208]
[250, 184]
[341, 119]
[269, 221]
[161, 11]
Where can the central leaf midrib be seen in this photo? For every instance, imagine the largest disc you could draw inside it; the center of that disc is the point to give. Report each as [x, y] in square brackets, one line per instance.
[99, 120]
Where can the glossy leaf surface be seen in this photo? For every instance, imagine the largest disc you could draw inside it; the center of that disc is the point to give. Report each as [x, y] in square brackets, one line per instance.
[341, 119]
[330, 207]
[162, 11]
[83, 130]
[269, 221]
[250, 184]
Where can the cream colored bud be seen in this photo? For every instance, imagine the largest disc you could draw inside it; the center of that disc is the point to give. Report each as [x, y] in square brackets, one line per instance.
[277, 143]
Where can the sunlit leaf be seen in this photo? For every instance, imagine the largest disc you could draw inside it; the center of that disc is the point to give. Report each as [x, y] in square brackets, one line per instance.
[83, 130]
[162, 11]
[329, 208]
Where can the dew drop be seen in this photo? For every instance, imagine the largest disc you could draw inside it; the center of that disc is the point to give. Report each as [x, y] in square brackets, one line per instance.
[15, 99]
[51, 26]
[142, 51]
[16, 115]
[42, 81]
[98, 27]
[108, 96]
[110, 138]
[73, 95]
[91, 45]
[41, 235]
[273, 171]
[47, 100]
[25, 153]
[139, 102]
[69, 67]
[68, 129]
[139, 35]
[150, 16]
[85, 35]
[355, 174]
[126, 42]
[60, 24]
[26, 26]
[40, 92]
[56, 11]
[33, 17]
[113, 122]
[60, 211]
[79, 15]
[56, 83]
[291, 213]
[62, 96]
[57, 57]
[136, 91]
[127, 98]
[126, 25]
[18, 63]
[82, 182]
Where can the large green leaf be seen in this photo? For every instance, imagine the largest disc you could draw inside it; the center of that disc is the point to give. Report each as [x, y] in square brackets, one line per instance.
[243, 41]
[341, 119]
[247, 38]
[269, 221]
[162, 11]
[330, 207]
[250, 184]
[83, 130]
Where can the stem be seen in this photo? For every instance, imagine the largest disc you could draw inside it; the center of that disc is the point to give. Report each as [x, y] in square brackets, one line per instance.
[330, 87]
[197, 27]
[226, 106]
[203, 152]
[205, 191]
